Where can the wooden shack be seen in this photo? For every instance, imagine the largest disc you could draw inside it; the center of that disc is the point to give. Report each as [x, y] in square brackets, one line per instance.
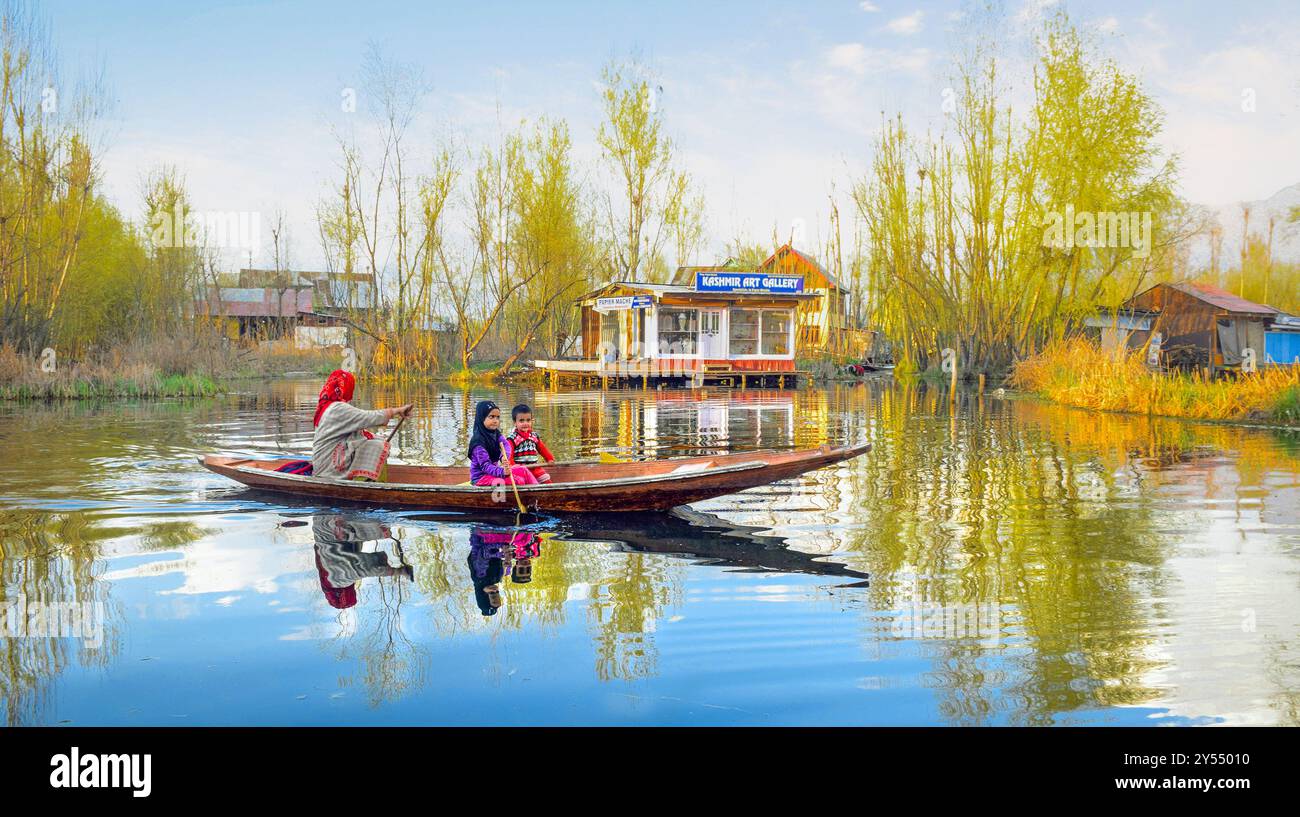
[1203, 326]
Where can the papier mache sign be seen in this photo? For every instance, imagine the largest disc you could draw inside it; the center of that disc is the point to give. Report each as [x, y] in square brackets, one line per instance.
[626, 302]
[748, 282]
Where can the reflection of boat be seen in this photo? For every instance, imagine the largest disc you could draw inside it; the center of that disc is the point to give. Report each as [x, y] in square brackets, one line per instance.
[712, 539]
[577, 486]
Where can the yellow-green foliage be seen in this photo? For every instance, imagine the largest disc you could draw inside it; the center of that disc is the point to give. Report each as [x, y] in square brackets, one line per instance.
[1077, 372]
[960, 254]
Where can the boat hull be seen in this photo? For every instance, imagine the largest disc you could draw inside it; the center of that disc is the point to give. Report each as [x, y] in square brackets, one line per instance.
[576, 487]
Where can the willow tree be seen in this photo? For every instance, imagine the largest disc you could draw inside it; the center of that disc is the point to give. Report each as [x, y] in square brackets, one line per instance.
[960, 225]
[480, 282]
[554, 245]
[654, 203]
[386, 217]
[47, 178]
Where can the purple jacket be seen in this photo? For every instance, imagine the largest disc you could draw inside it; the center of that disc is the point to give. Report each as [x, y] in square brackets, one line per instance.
[481, 465]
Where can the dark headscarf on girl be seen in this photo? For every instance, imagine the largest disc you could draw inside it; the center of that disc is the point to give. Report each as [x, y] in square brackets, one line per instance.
[338, 387]
[485, 573]
[482, 435]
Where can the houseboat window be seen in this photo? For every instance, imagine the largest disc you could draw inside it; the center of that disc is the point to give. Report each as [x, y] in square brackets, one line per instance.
[744, 332]
[776, 332]
[679, 331]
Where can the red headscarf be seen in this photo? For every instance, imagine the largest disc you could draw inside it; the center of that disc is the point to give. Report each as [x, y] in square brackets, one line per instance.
[338, 387]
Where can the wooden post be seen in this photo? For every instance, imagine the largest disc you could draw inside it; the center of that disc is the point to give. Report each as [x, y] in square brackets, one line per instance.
[981, 382]
[952, 388]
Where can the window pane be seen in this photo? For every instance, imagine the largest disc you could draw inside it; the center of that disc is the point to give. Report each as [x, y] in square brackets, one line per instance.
[776, 332]
[678, 331]
[744, 332]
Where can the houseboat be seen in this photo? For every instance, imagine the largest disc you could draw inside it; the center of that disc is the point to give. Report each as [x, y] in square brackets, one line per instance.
[731, 328]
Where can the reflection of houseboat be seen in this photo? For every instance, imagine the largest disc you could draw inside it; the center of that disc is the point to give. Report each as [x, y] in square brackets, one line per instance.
[685, 423]
[723, 325]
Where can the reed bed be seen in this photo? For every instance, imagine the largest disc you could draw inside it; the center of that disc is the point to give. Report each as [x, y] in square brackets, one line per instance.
[1077, 372]
[22, 379]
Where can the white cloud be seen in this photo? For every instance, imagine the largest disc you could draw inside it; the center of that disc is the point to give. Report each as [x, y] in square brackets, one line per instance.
[868, 6]
[1109, 25]
[852, 56]
[861, 60]
[909, 24]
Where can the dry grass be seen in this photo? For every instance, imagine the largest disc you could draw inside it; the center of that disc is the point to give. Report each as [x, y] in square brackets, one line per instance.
[1079, 373]
[21, 378]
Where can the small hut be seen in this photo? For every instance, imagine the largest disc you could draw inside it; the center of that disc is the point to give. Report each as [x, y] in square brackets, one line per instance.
[1202, 325]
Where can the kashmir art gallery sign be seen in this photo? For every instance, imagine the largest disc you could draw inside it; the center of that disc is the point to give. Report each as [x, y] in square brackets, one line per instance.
[748, 282]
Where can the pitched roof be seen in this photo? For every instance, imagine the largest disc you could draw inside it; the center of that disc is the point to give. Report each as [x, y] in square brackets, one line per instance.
[1222, 298]
[807, 259]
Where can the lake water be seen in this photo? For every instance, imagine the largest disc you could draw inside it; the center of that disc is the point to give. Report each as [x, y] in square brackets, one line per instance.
[997, 561]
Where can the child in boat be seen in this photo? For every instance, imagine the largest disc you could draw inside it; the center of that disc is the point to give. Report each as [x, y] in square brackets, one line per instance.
[524, 447]
[341, 446]
[485, 450]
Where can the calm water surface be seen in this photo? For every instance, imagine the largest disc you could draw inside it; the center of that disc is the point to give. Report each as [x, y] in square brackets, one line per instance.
[1002, 561]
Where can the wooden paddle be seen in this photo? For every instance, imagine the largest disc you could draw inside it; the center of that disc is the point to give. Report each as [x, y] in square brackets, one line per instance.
[383, 474]
[393, 433]
[510, 475]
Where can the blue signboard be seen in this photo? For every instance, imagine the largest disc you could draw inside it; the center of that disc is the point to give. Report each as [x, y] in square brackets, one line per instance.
[748, 282]
[624, 302]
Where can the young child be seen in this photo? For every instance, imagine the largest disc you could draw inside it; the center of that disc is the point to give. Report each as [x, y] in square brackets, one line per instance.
[525, 448]
[485, 450]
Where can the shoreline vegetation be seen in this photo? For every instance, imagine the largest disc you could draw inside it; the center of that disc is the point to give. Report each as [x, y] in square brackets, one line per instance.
[952, 238]
[199, 365]
[1076, 372]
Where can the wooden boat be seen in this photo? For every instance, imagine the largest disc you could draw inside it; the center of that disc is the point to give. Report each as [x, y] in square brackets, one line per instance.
[653, 485]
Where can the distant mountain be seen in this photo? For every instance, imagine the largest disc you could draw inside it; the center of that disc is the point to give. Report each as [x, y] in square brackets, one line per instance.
[1286, 233]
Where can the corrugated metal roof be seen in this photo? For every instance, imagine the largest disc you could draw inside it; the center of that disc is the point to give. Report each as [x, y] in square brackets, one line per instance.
[1222, 298]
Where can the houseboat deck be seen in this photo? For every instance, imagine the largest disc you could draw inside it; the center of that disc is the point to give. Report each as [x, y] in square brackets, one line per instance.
[643, 373]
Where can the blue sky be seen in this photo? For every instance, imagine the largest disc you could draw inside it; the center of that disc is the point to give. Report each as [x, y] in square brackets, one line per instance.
[767, 101]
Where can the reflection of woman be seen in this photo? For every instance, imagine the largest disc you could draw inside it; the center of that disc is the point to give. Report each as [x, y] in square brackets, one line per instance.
[342, 448]
[340, 561]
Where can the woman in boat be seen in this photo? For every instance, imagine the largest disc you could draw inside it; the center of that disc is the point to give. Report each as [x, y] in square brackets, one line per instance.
[342, 448]
[485, 450]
